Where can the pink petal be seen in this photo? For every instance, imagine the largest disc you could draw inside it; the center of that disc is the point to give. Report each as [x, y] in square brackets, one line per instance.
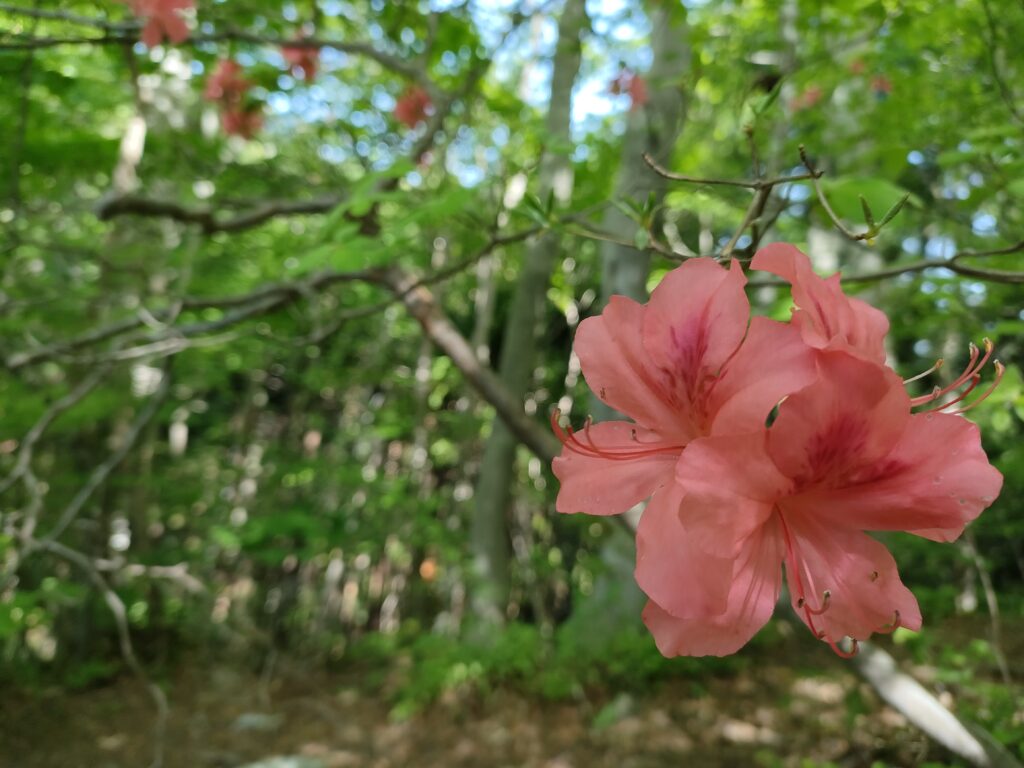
[606, 486]
[694, 322]
[935, 481]
[674, 573]
[772, 362]
[618, 370]
[152, 33]
[175, 27]
[752, 596]
[865, 591]
[731, 486]
[828, 318]
[849, 419]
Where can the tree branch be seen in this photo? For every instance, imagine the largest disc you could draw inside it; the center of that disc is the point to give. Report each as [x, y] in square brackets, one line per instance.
[117, 610]
[102, 472]
[420, 303]
[206, 217]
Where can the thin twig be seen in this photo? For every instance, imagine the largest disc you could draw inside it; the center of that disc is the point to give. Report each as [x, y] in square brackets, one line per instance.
[102, 472]
[116, 606]
[754, 184]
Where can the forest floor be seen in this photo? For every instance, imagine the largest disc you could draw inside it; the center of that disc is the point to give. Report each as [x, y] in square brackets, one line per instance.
[773, 713]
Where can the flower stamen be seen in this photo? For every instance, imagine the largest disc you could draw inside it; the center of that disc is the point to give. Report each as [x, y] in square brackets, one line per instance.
[1000, 370]
[586, 446]
[971, 375]
[892, 626]
[938, 364]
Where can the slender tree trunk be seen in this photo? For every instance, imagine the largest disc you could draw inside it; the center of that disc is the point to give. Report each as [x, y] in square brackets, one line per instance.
[653, 130]
[616, 600]
[489, 534]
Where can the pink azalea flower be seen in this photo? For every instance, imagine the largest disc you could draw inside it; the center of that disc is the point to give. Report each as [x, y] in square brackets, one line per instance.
[807, 98]
[413, 106]
[688, 364]
[226, 84]
[244, 122]
[162, 20]
[632, 84]
[731, 499]
[827, 317]
[302, 58]
[845, 455]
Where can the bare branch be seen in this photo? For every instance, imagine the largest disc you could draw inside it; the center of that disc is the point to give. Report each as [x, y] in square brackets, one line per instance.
[178, 573]
[102, 472]
[116, 606]
[28, 444]
[439, 329]
[754, 184]
[206, 217]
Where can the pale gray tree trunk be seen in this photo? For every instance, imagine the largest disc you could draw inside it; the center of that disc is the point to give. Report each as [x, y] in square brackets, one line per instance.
[489, 532]
[616, 600]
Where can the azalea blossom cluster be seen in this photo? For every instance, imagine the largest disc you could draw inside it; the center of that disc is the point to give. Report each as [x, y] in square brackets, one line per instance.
[229, 89]
[768, 448]
[413, 107]
[163, 19]
[632, 84]
[239, 114]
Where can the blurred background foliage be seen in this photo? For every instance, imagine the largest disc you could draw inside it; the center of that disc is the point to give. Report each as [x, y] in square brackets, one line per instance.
[306, 485]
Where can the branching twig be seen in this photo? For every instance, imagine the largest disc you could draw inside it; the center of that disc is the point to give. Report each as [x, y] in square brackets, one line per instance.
[23, 464]
[117, 610]
[207, 217]
[102, 472]
[439, 329]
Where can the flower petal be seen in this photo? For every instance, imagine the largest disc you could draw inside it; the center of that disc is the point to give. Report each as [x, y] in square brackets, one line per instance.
[772, 362]
[607, 486]
[865, 591]
[731, 486]
[617, 368]
[670, 569]
[152, 33]
[828, 318]
[175, 27]
[935, 481]
[850, 418]
[753, 593]
[694, 322]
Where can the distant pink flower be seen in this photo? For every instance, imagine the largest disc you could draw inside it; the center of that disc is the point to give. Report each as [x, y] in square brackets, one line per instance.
[684, 366]
[229, 89]
[413, 107]
[827, 317]
[807, 98]
[881, 85]
[162, 20]
[302, 58]
[243, 121]
[630, 83]
[226, 84]
[843, 456]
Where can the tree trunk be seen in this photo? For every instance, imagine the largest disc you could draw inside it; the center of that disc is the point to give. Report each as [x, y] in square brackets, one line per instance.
[616, 600]
[489, 534]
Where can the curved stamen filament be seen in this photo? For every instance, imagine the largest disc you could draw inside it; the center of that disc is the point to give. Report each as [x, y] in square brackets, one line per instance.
[1000, 370]
[938, 364]
[975, 381]
[970, 374]
[892, 626]
[587, 447]
[854, 648]
[793, 568]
